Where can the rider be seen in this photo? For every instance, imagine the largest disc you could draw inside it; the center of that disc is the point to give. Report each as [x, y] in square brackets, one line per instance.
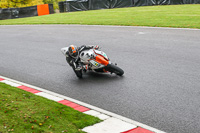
[72, 55]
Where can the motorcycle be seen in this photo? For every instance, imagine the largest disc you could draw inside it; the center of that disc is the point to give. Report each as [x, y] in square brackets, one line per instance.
[94, 60]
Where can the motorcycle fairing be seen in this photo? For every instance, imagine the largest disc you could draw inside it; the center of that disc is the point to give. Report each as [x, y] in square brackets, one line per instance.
[101, 53]
[96, 65]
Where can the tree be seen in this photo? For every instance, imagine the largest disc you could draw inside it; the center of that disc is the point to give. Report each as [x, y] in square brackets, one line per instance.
[4, 3]
[19, 3]
[54, 2]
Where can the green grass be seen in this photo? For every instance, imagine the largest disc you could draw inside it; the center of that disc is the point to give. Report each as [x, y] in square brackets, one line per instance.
[185, 16]
[24, 112]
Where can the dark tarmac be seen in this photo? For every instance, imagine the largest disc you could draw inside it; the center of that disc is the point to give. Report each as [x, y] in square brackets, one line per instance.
[161, 84]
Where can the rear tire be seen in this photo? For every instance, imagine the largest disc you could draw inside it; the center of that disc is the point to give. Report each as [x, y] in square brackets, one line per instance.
[115, 69]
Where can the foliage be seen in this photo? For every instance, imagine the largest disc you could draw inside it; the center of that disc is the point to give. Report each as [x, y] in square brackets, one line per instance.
[25, 3]
[54, 2]
[19, 3]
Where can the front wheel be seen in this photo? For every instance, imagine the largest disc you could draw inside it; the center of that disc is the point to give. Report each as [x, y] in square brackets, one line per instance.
[115, 69]
[77, 72]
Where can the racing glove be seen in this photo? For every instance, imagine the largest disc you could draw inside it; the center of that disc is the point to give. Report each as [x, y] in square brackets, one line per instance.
[96, 47]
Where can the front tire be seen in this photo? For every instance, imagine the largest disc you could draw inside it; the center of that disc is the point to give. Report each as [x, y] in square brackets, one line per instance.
[77, 72]
[115, 69]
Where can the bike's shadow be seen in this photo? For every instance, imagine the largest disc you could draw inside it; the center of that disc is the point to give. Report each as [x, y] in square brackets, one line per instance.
[98, 78]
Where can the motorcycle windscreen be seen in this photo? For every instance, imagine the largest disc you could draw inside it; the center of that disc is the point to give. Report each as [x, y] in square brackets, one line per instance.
[101, 53]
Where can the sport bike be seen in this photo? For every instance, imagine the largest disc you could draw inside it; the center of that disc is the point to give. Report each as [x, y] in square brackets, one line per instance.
[94, 60]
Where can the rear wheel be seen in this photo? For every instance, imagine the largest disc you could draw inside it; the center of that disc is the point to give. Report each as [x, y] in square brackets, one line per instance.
[115, 69]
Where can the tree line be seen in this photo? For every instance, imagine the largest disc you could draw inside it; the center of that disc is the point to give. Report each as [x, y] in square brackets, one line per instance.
[25, 3]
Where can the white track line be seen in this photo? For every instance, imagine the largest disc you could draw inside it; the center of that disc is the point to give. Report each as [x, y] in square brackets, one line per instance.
[110, 26]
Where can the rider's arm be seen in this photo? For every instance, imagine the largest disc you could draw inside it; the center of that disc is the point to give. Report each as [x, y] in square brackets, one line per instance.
[84, 47]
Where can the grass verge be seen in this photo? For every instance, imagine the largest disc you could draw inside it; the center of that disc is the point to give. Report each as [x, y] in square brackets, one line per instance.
[22, 112]
[184, 16]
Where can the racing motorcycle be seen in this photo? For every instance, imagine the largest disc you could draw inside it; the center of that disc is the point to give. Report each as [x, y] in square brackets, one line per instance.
[94, 60]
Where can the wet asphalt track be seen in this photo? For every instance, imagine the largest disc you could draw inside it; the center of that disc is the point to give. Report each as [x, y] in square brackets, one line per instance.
[161, 85]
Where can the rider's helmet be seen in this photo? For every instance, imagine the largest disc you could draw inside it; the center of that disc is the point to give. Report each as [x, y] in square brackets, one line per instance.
[73, 51]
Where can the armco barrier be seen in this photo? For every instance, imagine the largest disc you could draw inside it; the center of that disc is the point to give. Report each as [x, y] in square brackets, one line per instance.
[26, 12]
[121, 3]
[11, 13]
[77, 5]
[61, 6]
[99, 4]
[82, 5]
[5, 14]
[191, 1]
